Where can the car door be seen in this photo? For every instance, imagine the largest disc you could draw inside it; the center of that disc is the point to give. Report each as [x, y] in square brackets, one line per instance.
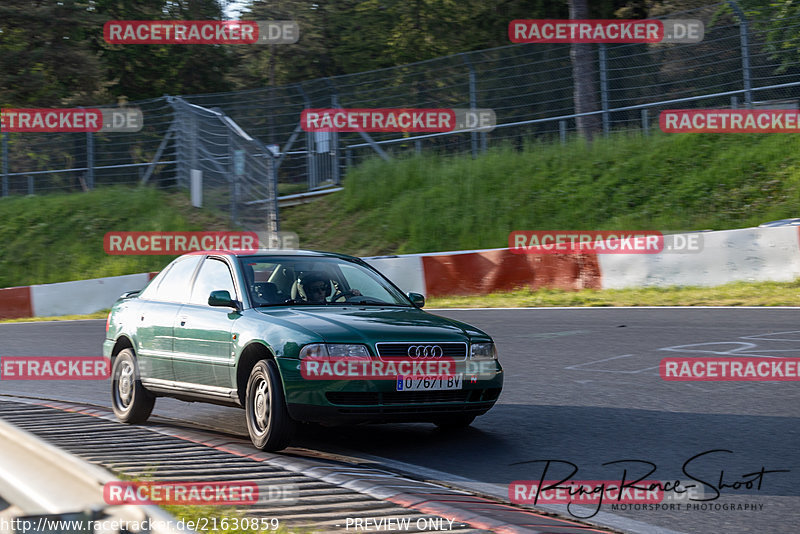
[155, 319]
[203, 341]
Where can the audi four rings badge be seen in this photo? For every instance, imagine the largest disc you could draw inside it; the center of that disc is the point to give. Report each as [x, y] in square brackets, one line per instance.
[425, 351]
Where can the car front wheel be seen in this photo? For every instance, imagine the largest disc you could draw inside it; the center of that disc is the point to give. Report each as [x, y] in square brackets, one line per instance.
[268, 421]
[130, 401]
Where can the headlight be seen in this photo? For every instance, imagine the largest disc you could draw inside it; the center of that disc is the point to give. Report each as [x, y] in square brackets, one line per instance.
[482, 351]
[334, 350]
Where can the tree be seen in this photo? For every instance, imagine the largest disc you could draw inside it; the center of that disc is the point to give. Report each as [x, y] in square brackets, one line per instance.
[584, 77]
[45, 55]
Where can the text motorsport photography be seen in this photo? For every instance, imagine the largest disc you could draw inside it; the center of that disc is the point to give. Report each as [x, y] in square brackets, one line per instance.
[636, 489]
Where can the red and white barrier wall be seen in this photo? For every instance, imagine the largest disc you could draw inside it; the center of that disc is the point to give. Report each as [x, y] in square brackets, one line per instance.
[68, 298]
[749, 254]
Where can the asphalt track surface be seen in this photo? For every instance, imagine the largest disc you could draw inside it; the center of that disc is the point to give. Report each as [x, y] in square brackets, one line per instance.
[582, 386]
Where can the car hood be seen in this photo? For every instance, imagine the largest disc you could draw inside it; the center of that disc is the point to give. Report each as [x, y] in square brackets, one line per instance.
[349, 324]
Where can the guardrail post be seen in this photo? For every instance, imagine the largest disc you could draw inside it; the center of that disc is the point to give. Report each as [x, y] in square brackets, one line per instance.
[604, 87]
[5, 163]
[645, 122]
[562, 132]
[745, 44]
[473, 102]
[89, 160]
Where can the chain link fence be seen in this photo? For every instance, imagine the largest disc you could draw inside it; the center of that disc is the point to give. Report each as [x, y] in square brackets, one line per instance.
[739, 63]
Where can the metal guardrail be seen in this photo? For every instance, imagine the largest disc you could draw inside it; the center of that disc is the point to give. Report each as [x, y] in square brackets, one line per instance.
[45, 485]
[305, 198]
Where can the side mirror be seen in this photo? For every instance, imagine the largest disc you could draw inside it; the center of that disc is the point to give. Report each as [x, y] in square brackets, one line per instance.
[222, 298]
[416, 299]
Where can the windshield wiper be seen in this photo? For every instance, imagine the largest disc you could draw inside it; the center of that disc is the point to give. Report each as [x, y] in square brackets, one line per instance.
[371, 303]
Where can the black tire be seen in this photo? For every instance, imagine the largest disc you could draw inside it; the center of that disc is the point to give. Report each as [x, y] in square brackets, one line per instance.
[455, 422]
[130, 401]
[268, 421]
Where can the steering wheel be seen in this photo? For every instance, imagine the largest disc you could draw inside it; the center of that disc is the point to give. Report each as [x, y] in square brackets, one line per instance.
[341, 294]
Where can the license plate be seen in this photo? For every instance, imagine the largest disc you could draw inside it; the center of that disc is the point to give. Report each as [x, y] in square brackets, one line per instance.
[422, 383]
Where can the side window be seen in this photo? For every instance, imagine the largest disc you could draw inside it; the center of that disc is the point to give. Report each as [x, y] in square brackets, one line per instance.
[151, 289]
[214, 276]
[175, 285]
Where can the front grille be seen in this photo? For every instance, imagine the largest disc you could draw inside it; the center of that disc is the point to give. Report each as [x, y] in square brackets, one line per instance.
[390, 398]
[454, 350]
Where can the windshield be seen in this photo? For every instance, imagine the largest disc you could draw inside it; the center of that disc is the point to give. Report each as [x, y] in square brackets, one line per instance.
[280, 280]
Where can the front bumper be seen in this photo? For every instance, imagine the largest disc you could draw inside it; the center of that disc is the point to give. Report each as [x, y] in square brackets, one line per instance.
[363, 401]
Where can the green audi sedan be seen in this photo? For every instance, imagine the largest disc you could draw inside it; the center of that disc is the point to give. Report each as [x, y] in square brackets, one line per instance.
[295, 337]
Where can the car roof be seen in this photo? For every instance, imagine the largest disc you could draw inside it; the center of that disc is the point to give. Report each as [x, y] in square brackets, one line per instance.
[273, 252]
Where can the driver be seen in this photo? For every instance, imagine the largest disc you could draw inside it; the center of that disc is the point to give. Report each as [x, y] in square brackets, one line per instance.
[317, 288]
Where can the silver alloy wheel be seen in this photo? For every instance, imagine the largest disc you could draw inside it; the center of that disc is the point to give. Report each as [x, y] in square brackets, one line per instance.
[125, 385]
[261, 407]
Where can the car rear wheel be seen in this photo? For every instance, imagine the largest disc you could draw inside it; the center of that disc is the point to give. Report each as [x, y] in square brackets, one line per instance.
[455, 422]
[130, 401]
[268, 421]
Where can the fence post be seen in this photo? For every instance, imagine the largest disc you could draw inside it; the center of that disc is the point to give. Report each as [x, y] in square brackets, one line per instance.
[473, 102]
[334, 148]
[276, 224]
[90, 160]
[233, 178]
[734, 102]
[5, 163]
[746, 80]
[645, 122]
[310, 167]
[30, 184]
[562, 131]
[603, 86]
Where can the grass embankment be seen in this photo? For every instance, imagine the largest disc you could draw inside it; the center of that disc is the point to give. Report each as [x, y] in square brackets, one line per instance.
[59, 237]
[626, 182]
[423, 204]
